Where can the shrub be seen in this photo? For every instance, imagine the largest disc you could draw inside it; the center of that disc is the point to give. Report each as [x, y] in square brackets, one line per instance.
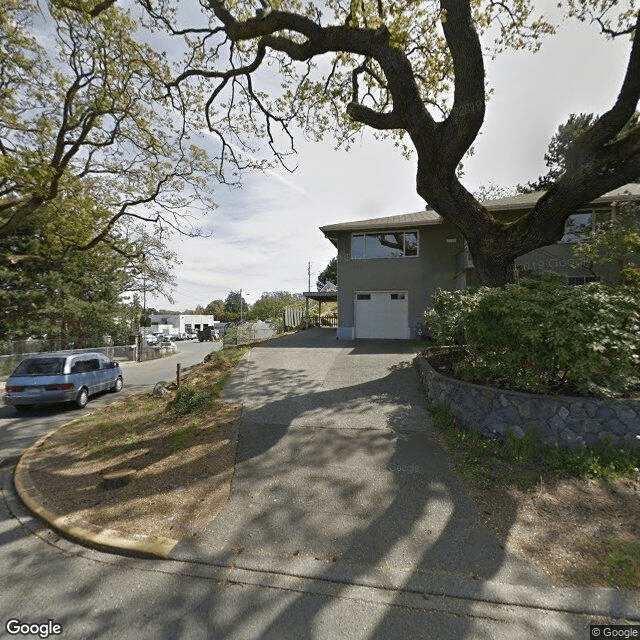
[190, 398]
[544, 336]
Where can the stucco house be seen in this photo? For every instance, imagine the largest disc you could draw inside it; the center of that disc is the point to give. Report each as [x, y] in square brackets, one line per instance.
[388, 268]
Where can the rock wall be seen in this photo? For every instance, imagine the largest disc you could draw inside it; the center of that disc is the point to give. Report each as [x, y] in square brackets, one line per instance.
[564, 420]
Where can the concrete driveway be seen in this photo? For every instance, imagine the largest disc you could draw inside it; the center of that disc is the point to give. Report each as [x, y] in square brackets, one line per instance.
[338, 476]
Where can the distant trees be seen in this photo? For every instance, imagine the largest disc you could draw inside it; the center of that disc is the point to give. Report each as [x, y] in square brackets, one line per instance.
[560, 146]
[330, 273]
[233, 304]
[272, 304]
[215, 308]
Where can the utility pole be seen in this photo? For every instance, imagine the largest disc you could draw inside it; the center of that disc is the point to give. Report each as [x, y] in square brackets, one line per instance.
[306, 310]
[240, 305]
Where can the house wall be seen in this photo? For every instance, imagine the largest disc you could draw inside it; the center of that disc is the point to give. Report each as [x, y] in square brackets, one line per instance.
[420, 276]
[559, 258]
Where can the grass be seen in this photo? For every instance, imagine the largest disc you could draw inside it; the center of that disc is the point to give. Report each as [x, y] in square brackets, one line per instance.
[517, 460]
[492, 464]
[132, 423]
[619, 562]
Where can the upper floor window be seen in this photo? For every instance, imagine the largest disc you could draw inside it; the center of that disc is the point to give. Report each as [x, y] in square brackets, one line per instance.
[395, 244]
[578, 225]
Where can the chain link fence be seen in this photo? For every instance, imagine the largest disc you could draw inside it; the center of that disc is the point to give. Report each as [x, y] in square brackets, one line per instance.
[249, 332]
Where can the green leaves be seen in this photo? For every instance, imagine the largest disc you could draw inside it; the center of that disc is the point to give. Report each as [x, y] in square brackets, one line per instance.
[544, 336]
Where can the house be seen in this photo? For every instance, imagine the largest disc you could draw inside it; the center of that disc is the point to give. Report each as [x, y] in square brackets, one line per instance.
[388, 268]
[175, 324]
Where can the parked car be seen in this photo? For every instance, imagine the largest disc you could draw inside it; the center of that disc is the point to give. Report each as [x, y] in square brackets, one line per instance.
[166, 344]
[51, 377]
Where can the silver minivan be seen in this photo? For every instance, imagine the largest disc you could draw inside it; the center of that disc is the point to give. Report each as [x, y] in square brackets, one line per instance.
[54, 377]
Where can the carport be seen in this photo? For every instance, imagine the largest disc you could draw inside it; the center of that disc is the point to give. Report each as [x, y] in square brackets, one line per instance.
[320, 297]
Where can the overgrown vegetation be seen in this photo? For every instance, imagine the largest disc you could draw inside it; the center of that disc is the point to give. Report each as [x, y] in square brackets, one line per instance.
[544, 336]
[494, 467]
[520, 461]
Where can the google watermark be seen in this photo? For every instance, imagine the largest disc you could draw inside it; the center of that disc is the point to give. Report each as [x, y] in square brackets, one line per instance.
[15, 627]
[614, 631]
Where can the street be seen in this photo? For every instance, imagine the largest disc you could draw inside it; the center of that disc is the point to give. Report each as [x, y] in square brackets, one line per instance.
[19, 430]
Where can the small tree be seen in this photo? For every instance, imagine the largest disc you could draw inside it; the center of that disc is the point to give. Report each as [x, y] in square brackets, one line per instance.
[615, 241]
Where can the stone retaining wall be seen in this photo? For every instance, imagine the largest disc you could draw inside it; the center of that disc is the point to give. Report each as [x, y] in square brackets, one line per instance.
[565, 420]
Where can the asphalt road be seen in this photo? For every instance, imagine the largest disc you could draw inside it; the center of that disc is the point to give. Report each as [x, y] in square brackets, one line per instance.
[19, 430]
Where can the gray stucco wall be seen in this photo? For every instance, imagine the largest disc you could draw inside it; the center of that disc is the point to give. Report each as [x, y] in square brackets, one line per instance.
[420, 276]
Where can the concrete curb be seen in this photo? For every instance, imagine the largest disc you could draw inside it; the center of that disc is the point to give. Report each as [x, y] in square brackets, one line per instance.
[75, 529]
[312, 577]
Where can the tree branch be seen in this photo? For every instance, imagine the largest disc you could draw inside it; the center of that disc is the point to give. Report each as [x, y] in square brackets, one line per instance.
[461, 127]
[611, 123]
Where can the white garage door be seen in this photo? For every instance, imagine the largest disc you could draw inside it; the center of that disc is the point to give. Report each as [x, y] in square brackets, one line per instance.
[381, 314]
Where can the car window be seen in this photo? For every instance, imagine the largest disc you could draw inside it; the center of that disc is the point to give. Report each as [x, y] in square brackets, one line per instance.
[79, 366]
[105, 362]
[40, 367]
[93, 364]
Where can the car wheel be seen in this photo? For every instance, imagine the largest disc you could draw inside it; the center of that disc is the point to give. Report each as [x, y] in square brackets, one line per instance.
[117, 386]
[82, 399]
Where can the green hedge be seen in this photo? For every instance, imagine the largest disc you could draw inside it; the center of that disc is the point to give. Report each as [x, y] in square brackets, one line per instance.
[544, 336]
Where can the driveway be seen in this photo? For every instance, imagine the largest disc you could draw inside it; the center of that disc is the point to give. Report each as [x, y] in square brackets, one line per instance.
[338, 476]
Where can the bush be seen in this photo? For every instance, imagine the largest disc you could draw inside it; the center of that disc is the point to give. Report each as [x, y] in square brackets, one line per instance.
[190, 398]
[544, 336]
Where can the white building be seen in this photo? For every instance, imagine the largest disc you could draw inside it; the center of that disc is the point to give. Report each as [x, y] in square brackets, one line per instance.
[180, 323]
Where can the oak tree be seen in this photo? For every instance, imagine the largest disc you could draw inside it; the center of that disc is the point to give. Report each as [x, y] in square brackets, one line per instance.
[413, 70]
[89, 141]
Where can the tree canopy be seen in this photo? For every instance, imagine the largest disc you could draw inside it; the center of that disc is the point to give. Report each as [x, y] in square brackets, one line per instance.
[410, 70]
[90, 151]
[234, 302]
[328, 274]
[272, 304]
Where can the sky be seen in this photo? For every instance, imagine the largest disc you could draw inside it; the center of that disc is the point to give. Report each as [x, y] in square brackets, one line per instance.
[264, 235]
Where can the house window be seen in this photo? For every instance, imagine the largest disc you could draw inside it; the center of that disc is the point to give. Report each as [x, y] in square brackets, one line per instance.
[364, 296]
[576, 226]
[397, 296]
[395, 244]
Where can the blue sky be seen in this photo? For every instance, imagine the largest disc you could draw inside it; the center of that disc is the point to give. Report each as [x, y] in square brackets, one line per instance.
[264, 235]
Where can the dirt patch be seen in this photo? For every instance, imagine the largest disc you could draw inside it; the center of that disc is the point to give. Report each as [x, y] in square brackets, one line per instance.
[580, 532]
[173, 472]
[569, 528]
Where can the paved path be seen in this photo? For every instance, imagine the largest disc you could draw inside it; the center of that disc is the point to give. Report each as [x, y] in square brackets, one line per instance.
[338, 474]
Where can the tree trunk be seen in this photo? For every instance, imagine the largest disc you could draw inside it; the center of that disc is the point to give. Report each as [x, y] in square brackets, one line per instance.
[493, 271]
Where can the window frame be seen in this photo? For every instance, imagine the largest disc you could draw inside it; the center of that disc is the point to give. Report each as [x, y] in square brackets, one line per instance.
[364, 235]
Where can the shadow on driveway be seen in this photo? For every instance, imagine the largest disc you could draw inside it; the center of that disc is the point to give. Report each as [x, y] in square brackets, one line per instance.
[338, 478]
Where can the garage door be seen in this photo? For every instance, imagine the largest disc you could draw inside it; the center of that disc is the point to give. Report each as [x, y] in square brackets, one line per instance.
[381, 314]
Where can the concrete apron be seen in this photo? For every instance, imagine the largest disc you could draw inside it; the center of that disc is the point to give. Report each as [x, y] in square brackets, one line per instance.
[338, 477]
